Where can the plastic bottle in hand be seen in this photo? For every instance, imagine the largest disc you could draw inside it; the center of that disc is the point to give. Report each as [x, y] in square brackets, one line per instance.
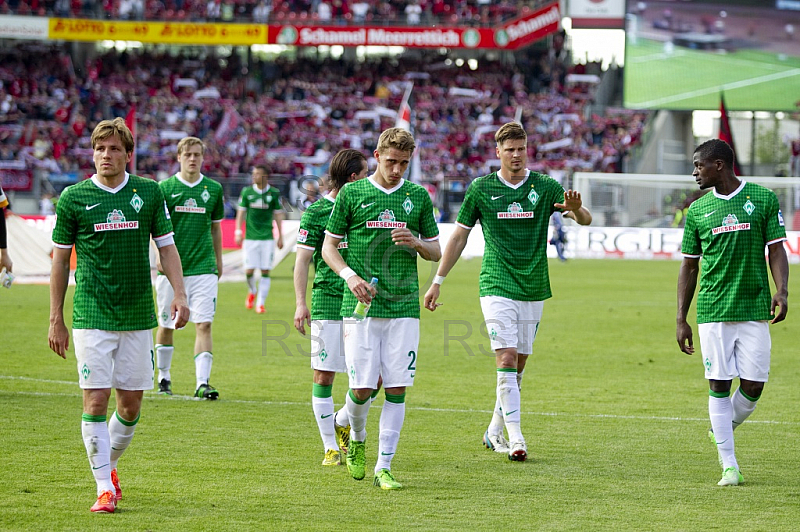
[361, 309]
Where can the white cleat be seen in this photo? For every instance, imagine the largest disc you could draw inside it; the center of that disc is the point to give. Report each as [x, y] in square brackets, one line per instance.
[496, 443]
[518, 452]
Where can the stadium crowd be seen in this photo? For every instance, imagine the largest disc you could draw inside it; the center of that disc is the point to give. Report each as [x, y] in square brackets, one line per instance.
[405, 12]
[293, 115]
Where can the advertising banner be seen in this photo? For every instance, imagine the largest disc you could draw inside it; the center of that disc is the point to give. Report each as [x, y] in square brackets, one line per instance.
[157, 32]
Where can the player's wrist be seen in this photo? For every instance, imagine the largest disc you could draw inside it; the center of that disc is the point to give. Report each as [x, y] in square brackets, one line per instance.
[347, 273]
[439, 279]
[238, 232]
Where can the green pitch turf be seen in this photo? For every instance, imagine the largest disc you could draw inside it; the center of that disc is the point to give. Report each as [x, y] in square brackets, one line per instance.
[693, 79]
[615, 416]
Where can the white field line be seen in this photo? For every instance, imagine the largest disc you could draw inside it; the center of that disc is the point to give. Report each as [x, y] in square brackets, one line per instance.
[149, 395]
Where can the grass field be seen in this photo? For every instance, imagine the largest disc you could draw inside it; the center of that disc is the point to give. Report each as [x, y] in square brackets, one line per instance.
[615, 416]
[693, 79]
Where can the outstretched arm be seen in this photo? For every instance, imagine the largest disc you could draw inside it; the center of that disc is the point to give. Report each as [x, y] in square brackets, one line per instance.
[573, 207]
[779, 266]
[687, 282]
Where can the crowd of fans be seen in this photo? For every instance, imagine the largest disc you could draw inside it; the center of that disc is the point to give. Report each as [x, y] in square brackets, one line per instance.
[293, 115]
[405, 12]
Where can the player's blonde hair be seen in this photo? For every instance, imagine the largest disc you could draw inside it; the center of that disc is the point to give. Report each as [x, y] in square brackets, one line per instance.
[510, 131]
[187, 142]
[396, 138]
[109, 128]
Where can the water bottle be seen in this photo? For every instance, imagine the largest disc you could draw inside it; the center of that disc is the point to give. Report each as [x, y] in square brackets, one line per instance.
[362, 308]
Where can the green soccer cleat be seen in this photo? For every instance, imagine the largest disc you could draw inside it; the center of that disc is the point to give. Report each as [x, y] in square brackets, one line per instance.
[356, 460]
[714, 441]
[332, 458]
[385, 480]
[342, 437]
[731, 477]
[165, 387]
[206, 391]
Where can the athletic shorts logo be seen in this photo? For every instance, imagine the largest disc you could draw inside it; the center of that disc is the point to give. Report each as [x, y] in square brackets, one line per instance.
[116, 222]
[386, 220]
[515, 210]
[730, 223]
[190, 205]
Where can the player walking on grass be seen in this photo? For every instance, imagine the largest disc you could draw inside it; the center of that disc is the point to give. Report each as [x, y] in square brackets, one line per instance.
[729, 229]
[5, 259]
[514, 207]
[109, 219]
[196, 207]
[258, 204]
[388, 221]
[325, 319]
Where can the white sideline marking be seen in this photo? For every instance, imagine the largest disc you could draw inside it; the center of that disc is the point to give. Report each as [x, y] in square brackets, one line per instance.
[154, 395]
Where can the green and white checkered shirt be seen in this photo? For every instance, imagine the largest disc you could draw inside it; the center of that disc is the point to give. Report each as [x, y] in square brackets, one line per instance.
[514, 221]
[111, 233]
[730, 233]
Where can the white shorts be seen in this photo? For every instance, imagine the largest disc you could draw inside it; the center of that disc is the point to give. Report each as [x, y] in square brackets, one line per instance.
[201, 294]
[735, 349]
[114, 359]
[327, 346]
[258, 254]
[381, 347]
[511, 323]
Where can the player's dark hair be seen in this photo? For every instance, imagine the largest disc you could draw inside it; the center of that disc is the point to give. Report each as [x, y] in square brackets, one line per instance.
[343, 165]
[716, 150]
[263, 168]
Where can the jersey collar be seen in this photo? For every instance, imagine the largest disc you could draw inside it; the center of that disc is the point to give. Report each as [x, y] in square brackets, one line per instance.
[385, 190]
[190, 185]
[329, 198]
[732, 194]
[101, 186]
[510, 185]
[259, 191]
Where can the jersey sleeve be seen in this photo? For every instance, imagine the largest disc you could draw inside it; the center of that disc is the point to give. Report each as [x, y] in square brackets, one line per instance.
[469, 212]
[776, 229]
[340, 217]
[310, 232]
[243, 203]
[160, 225]
[429, 230]
[276, 203]
[66, 226]
[218, 210]
[691, 247]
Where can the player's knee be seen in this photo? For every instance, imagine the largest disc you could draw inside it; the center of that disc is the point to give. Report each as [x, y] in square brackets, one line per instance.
[324, 378]
[362, 394]
[752, 389]
[265, 273]
[203, 328]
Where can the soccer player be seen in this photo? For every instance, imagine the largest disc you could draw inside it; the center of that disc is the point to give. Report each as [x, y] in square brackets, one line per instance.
[196, 207]
[514, 207]
[5, 259]
[388, 221]
[109, 219]
[325, 319]
[729, 228]
[257, 205]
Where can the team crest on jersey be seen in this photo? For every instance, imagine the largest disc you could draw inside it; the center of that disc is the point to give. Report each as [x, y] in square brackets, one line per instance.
[730, 223]
[205, 195]
[190, 205]
[136, 202]
[115, 221]
[386, 220]
[533, 196]
[302, 235]
[749, 207]
[408, 206]
[515, 210]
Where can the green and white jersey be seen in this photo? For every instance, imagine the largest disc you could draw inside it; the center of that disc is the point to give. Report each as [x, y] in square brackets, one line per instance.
[111, 230]
[328, 288]
[260, 206]
[367, 213]
[514, 220]
[730, 233]
[193, 208]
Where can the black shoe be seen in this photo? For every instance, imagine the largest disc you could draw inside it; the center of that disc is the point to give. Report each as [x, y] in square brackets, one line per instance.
[165, 387]
[206, 391]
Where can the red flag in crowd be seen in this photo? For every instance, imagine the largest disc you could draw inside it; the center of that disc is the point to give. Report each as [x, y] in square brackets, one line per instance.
[130, 121]
[725, 133]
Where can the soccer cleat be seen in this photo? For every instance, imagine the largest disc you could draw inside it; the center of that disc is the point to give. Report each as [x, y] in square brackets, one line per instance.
[332, 457]
[356, 460]
[731, 477]
[518, 451]
[260, 309]
[106, 503]
[248, 303]
[714, 441]
[496, 443]
[117, 489]
[342, 437]
[385, 480]
[206, 391]
[165, 387]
